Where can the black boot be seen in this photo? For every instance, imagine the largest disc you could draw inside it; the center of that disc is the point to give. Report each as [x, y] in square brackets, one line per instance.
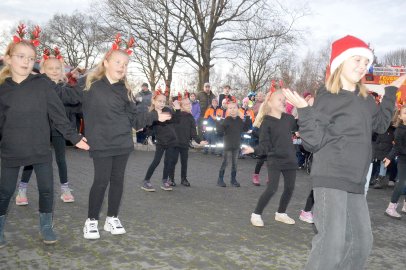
[234, 182]
[2, 239]
[185, 182]
[381, 183]
[220, 181]
[46, 227]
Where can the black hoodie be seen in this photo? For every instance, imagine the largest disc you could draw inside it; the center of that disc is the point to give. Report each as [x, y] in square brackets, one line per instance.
[25, 111]
[165, 134]
[109, 117]
[338, 130]
[231, 128]
[399, 148]
[186, 130]
[275, 141]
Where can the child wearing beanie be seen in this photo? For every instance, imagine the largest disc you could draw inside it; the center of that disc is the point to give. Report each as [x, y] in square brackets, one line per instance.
[337, 130]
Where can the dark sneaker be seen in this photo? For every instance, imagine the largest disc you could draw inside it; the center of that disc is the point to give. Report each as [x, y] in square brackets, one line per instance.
[185, 183]
[166, 186]
[221, 184]
[235, 184]
[147, 186]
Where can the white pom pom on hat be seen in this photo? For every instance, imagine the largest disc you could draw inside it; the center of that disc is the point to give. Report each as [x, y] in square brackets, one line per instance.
[348, 46]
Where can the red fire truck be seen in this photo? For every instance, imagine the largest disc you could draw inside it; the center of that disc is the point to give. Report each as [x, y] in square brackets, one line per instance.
[378, 77]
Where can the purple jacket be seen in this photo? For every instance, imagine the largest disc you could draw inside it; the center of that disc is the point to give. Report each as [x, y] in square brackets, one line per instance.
[196, 111]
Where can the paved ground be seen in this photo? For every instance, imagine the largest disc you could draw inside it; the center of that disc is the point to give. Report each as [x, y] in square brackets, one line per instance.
[202, 227]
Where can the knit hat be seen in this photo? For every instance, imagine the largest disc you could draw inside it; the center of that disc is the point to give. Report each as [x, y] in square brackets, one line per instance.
[348, 46]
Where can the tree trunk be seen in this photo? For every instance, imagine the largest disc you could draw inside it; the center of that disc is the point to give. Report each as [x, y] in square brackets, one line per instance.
[204, 76]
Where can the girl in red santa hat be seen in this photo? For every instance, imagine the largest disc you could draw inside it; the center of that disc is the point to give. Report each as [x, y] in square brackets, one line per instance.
[337, 130]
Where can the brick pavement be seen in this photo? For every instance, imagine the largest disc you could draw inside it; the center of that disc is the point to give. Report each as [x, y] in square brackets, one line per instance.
[202, 227]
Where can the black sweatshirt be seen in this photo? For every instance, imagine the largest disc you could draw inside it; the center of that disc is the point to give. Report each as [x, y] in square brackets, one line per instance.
[68, 96]
[186, 130]
[275, 141]
[109, 117]
[399, 148]
[232, 129]
[165, 133]
[25, 111]
[338, 130]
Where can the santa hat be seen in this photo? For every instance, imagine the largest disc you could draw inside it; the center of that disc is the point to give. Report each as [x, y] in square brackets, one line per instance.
[348, 46]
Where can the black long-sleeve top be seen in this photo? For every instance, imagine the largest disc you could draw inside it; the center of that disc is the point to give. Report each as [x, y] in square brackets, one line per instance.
[25, 111]
[165, 133]
[275, 141]
[69, 97]
[109, 117]
[232, 127]
[399, 147]
[186, 130]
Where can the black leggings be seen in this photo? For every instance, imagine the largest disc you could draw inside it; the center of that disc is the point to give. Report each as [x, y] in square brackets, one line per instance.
[107, 170]
[289, 177]
[309, 202]
[259, 164]
[184, 155]
[58, 142]
[168, 161]
[400, 185]
[8, 182]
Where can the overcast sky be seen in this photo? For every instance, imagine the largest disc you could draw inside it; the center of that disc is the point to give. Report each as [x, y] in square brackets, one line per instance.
[378, 22]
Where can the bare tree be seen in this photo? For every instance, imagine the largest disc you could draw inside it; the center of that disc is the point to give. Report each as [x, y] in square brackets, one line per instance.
[204, 21]
[260, 52]
[311, 72]
[153, 27]
[78, 36]
[395, 58]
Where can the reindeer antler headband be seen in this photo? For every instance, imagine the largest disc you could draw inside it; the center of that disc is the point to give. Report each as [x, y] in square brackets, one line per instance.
[231, 100]
[55, 52]
[21, 31]
[119, 42]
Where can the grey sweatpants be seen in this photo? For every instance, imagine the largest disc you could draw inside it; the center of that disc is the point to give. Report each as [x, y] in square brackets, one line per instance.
[344, 238]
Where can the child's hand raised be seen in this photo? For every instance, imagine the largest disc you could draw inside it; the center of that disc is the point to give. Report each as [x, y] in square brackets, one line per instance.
[176, 105]
[82, 144]
[164, 116]
[294, 98]
[399, 81]
[386, 162]
[247, 150]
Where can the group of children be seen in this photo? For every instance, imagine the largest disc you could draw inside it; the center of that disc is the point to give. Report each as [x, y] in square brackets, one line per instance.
[337, 130]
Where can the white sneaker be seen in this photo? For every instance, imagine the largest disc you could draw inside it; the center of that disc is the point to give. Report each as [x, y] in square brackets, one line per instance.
[90, 230]
[391, 184]
[283, 217]
[114, 226]
[404, 207]
[256, 220]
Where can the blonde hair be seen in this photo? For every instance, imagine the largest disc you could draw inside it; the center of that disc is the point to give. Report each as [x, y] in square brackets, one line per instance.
[264, 108]
[334, 84]
[43, 61]
[5, 72]
[154, 96]
[100, 71]
[396, 119]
